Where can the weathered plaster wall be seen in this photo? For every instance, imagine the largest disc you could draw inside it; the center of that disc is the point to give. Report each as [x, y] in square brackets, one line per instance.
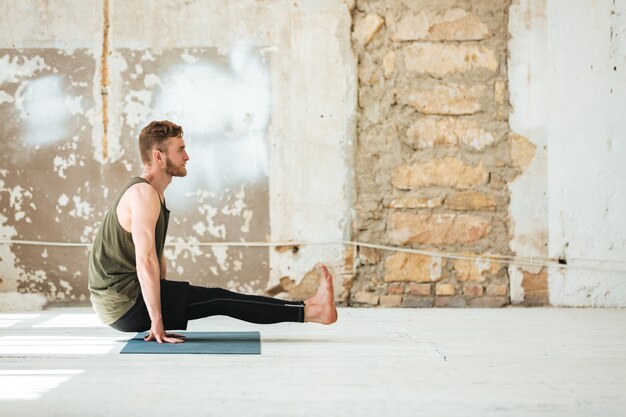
[268, 129]
[568, 91]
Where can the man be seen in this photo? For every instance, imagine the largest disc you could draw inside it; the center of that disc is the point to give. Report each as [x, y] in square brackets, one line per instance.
[127, 270]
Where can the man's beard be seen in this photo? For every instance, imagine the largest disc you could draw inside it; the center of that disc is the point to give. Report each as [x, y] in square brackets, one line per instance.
[173, 170]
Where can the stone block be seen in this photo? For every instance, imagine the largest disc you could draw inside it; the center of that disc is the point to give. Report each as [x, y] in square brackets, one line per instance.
[489, 301]
[365, 29]
[367, 75]
[390, 300]
[448, 99]
[395, 288]
[445, 289]
[463, 29]
[446, 301]
[497, 289]
[472, 200]
[389, 64]
[472, 289]
[496, 182]
[419, 289]
[364, 297]
[438, 60]
[452, 25]
[443, 172]
[499, 91]
[474, 269]
[412, 27]
[409, 201]
[369, 207]
[369, 256]
[349, 258]
[419, 302]
[423, 228]
[403, 266]
[346, 288]
[431, 131]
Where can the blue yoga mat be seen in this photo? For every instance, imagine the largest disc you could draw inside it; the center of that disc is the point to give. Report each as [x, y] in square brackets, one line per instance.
[239, 343]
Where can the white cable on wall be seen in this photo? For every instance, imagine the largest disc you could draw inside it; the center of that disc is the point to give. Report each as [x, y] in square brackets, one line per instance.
[515, 260]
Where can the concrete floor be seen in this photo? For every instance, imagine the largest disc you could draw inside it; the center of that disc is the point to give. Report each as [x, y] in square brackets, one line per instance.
[373, 362]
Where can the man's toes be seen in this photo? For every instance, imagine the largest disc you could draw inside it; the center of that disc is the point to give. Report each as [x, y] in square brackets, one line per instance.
[327, 274]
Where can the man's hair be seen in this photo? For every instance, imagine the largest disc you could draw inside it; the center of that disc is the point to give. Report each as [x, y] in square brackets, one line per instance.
[155, 134]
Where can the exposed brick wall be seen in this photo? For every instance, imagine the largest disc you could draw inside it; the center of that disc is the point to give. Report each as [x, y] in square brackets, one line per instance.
[433, 155]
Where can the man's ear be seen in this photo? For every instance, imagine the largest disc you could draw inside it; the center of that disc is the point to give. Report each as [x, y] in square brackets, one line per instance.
[157, 156]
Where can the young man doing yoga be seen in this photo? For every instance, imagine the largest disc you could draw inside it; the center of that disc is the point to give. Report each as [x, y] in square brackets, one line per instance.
[127, 270]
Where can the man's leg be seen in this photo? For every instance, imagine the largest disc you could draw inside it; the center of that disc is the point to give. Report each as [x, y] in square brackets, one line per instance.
[205, 302]
[174, 295]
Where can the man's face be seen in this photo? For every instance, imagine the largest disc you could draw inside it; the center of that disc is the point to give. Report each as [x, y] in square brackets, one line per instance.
[176, 157]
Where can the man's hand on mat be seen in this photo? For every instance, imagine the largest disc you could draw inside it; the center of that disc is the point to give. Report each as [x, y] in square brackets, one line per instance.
[158, 333]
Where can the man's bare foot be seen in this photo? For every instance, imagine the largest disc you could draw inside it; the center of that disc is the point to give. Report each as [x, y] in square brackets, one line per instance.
[321, 307]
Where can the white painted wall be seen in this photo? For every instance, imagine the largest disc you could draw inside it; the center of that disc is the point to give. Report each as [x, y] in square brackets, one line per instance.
[568, 85]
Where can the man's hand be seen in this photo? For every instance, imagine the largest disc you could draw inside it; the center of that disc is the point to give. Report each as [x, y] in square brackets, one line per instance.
[158, 333]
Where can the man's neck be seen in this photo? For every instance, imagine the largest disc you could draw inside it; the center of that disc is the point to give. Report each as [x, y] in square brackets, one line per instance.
[158, 179]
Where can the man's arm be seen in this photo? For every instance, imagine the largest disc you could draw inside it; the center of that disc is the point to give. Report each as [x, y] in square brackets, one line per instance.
[163, 267]
[145, 208]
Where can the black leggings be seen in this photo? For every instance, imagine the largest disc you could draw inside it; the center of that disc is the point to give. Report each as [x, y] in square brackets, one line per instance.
[181, 302]
[205, 302]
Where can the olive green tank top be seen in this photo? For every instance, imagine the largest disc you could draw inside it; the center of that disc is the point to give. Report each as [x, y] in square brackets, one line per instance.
[113, 282]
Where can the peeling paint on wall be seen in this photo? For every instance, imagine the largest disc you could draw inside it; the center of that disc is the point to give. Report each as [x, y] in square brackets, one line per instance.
[222, 104]
[227, 141]
[75, 100]
[41, 191]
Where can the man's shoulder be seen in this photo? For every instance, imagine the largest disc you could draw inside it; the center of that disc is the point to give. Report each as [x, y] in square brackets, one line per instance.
[141, 195]
[142, 191]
